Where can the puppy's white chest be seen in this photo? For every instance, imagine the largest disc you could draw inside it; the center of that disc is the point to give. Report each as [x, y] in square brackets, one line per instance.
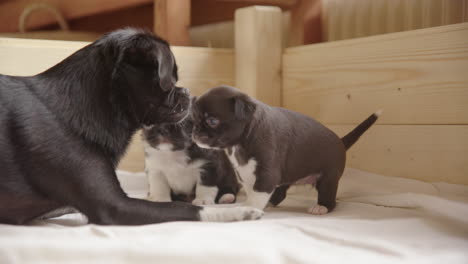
[174, 165]
[246, 172]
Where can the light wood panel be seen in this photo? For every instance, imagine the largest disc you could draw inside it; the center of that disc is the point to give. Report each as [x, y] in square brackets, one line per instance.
[418, 77]
[25, 57]
[258, 52]
[199, 70]
[345, 19]
[204, 68]
[423, 152]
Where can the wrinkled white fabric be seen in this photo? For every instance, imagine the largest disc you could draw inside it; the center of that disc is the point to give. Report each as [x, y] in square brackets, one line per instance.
[378, 219]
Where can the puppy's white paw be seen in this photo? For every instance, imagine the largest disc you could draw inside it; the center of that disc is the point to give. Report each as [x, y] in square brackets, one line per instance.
[227, 198]
[201, 201]
[217, 214]
[317, 210]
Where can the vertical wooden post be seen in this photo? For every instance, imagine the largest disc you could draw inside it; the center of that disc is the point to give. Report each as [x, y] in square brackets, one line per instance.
[172, 21]
[305, 26]
[258, 52]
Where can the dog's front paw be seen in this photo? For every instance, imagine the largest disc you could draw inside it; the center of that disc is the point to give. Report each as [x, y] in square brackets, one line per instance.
[317, 209]
[201, 201]
[220, 214]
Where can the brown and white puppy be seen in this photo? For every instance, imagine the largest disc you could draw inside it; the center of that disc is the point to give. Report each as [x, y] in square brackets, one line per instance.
[271, 147]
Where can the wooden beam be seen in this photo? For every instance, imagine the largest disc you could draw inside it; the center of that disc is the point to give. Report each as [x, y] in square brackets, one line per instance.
[214, 11]
[418, 77]
[289, 3]
[172, 21]
[10, 11]
[305, 26]
[258, 52]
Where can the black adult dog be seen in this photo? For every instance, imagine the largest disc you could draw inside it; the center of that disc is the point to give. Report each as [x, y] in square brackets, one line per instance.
[62, 133]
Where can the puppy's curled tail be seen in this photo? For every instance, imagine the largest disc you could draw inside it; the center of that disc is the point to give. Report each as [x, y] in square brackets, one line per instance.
[356, 133]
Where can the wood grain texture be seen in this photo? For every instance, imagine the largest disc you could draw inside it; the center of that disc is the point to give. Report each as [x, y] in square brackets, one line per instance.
[204, 68]
[258, 52]
[425, 152]
[418, 77]
[23, 57]
[172, 21]
[199, 70]
[345, 19]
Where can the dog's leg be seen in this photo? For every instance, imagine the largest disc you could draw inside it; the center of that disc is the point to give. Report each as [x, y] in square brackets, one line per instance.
[279, 194]
[260, 187]
[327, 186]
[19, 209]
[159, 189]
[206, 189]
[91, 185]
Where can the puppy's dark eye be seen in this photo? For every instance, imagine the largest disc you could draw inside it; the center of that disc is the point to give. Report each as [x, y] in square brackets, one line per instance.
[212, 122]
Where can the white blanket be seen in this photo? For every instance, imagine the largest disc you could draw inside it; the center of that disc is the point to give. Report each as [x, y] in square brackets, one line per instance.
[378, 219]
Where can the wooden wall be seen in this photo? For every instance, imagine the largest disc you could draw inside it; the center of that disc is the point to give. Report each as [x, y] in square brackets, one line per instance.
[199, 69]
[419, 78]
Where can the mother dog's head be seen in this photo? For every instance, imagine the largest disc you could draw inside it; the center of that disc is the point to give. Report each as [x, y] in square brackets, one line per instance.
[144, 73]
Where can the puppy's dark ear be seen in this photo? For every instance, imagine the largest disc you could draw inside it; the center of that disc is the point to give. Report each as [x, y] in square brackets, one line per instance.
[193, 99]
[167, 70]
[244, 107]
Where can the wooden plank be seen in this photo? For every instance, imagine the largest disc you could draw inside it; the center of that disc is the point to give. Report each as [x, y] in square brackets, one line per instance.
[289, 3]
[258, 52]
[23, 57]
[418, 77]
[214, 11]
[203, 68]
[172, 21]
[305, 26]
[425, 152]
[199, 70]
[10, 11]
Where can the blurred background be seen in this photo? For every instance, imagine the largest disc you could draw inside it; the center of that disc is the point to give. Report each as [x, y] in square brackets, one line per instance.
[209, 23]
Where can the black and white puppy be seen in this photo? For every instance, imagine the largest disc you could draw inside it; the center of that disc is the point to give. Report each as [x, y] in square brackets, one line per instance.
[177, 169]
[63, 132]
[272, 147]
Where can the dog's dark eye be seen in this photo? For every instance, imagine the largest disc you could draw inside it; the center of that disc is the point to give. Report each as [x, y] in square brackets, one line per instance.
[212, 122]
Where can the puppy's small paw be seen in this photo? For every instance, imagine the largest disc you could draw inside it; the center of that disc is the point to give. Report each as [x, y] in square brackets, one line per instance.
[227, 198]
[214, 214]
[199, 201]
[317, 210]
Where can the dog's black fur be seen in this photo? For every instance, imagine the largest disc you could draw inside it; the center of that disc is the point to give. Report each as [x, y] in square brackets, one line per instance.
[62, 132]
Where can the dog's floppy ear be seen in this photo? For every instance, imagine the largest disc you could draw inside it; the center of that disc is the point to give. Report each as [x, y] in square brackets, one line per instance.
[244, 107]
[167, 70]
